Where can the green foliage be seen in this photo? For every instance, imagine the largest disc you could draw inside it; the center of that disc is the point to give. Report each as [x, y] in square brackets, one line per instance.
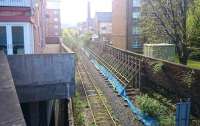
[72, 38]
[79, 106]
[195, 122]
[155, 109]
[194, 64]
[195, 55]
[86, 38]
[157, 67]
[167, 120]
[162, 22]
[150, 106]
[163, 100]
[154, 27]
[193, 24]
[188, 78]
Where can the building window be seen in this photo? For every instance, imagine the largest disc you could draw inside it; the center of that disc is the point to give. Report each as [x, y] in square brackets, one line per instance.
[136, 15]
[135, 44]
[3, 39]
[136, 30]
[136, 3]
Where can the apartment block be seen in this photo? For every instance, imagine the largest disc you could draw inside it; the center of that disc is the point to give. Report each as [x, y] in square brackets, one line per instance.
[53, 28]
[34, 89]
[21, 26]
[103, 26]
[126, 32]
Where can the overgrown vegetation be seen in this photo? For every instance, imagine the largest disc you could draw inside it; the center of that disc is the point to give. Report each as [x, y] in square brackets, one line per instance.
[156, 109]
[73, 38]
[78, 106]
[157, 67]
[70, 36]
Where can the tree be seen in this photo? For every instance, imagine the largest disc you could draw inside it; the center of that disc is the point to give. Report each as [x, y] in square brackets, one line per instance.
[86, 38]
[193, 25]
[70, 37]
[166, 20]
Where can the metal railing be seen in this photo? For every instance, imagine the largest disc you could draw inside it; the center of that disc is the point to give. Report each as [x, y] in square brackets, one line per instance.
[15, 3]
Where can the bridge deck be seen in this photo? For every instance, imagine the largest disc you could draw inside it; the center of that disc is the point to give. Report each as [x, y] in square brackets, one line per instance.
[43, 77]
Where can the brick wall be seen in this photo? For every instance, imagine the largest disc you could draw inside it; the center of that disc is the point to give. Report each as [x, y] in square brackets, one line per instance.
[39, 29]
[119, 19]
[53, 26]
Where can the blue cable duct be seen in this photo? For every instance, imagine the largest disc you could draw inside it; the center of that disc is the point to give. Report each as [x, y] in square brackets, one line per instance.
[144, 118]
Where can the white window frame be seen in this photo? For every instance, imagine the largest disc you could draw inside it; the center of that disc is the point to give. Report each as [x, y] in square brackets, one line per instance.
[135, 44]
[136, 15]
[28, 36]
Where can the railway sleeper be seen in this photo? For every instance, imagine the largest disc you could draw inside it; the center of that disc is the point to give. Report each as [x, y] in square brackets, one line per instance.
[100, 119]
[133, 93]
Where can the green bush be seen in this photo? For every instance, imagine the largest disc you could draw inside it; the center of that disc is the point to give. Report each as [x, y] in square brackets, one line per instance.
[157, 67]
[151, 106]
[167, 120]
[155, 109]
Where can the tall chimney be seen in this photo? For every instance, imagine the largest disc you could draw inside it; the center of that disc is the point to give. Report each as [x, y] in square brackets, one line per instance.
[89, 16]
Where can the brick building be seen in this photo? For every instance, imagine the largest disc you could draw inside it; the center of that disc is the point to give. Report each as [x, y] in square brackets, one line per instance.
[34, 89]
[103, 26]
[21, 28]
[26, 26]
[53, 28]
[125, 22]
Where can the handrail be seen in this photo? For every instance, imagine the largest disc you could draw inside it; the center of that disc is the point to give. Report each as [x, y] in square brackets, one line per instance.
[149, 58]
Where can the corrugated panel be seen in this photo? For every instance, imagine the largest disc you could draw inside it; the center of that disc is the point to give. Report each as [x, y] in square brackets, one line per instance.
[183, 113]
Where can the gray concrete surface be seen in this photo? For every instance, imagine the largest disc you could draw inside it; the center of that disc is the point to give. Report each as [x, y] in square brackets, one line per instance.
[10, 111]
[43, 77]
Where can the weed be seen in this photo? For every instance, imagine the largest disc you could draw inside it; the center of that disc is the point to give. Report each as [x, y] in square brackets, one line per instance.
[155, 109]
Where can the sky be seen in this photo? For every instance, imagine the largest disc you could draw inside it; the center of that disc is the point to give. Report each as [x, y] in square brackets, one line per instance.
[74, 11]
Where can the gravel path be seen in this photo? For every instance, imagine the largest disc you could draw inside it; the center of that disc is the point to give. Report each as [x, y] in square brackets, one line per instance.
[122, 113]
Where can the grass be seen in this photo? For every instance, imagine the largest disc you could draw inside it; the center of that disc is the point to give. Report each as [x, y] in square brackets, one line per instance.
[194, 64]
[79, 106]
[191, 63]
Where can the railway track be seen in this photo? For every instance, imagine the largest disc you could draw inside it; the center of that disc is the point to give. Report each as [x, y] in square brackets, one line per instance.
[99, 111]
